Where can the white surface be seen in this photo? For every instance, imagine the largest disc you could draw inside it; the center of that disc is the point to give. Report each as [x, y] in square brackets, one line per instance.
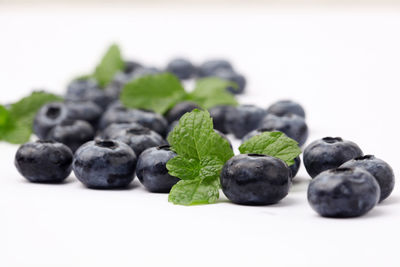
[342, 65]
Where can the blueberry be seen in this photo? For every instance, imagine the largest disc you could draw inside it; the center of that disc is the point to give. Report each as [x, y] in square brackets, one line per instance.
[253, 179]
[210, 67]
[218, 114]
[131, 66]
[47, 117]
[105, 164]
[119, 114]
[180, 109]
[182, 68]
[139, 139]
[84, 110]
[73, 134]
[44, 161]
[382, 172]
[294, 168]
[77, 89]
[292, 125]
[87, 90]
[232, 76]
[243, 119]
[285, 107]
[328, 153]
[115, 128]
[152, 171]
[343, 193]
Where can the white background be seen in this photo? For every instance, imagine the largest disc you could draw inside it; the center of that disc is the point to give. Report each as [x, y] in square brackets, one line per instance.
[342, 64]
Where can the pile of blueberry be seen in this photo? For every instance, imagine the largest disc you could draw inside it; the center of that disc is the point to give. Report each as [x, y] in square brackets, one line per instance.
[106, 144]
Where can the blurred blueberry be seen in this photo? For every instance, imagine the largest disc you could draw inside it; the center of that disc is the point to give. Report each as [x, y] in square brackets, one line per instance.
[285, 107]
[182, 68]
[180, 109]
[218, 114]
[243, 119]
[84, 110]
[232, 76]
[210, 67]
[49, 116]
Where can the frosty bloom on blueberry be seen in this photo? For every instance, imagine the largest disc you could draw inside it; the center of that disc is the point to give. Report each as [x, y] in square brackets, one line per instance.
[44, 161]
[105, 164]
[343, 192]
[328, 153]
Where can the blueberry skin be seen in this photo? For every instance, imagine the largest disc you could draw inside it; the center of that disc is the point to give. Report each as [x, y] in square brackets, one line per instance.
[382, 172]
[87, 90]
[44, 161]
[84, 110]
[171, 126]
[243, 119]
[180, 109]
[253, 179]
[182, 68]
[285, 107]
[105, 164]
[152, 171]
[218, 114]
[119, 114]
[73, 134]
[292, 125]
[131, 66]
[294, 168]
[49, 116]
[115, 128]
[328, 153]
[210, 67]
[139, 139]
[343, 193]
[232, 76]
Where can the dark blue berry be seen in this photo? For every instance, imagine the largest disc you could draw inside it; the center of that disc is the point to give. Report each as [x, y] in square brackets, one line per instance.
[73, 134]
[179, 110]
[210, 67]
[152, 171]
[115, 128]
[294, 168]
[131, 66]
[84, 110]
[44, 161]
[243, 119]
[328, 153]
[49, 116]
[292, 125]
[171, 126]
[87, 90]
[105, 164]
[286, 107]
[382, 172]
[182, 68]
[119, 114]
[218, 114]
[232, 76]
[343, 192]
[253, 179]
[139, 139]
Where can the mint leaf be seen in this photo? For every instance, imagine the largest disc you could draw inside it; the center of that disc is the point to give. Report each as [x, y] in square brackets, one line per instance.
[201, 155]
[16, 122]
[110, 64]
[275, 144]
[158, 92]
[193, 192]
[25, 109]
[210, 92]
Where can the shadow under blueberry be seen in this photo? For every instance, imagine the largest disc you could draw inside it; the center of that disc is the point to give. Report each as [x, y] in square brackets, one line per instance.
[133, 185]
[391, 200]
[69, 180]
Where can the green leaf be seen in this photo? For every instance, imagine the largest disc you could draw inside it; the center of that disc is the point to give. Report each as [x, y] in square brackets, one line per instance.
[194, 192]
[157, 92]
[110, 64]
[25, 109]
[16, 122]
[275, 144]
[201, 155]
[210, 92]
